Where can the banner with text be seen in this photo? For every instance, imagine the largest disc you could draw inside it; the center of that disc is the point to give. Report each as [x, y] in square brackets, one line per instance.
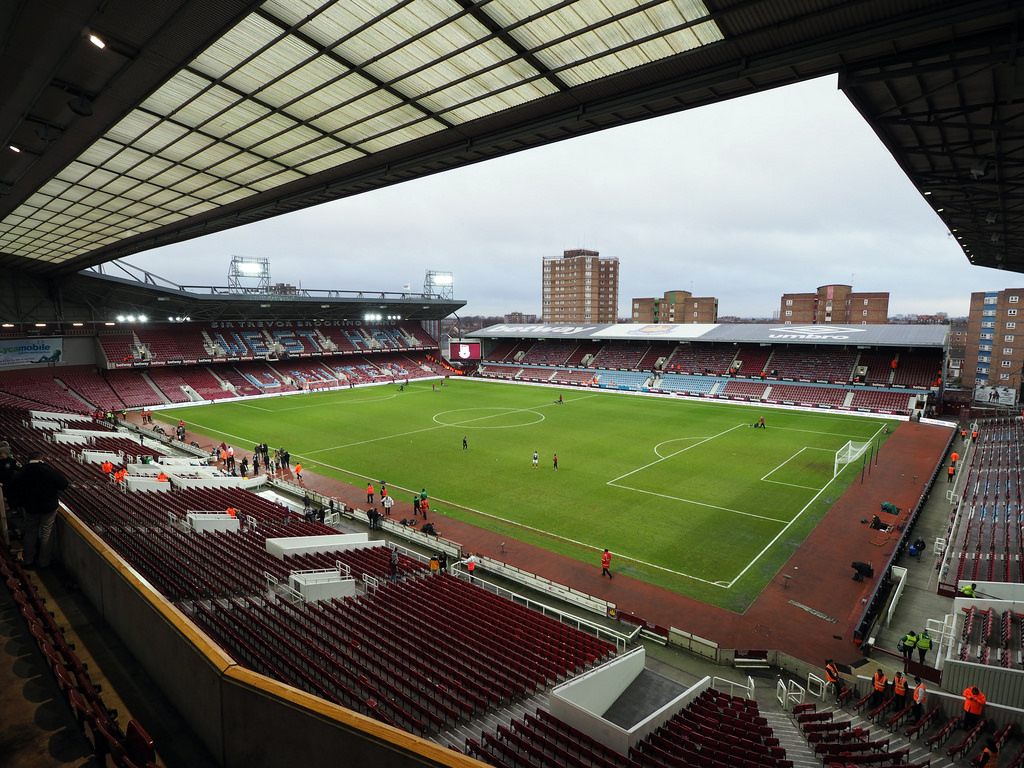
[15, 353]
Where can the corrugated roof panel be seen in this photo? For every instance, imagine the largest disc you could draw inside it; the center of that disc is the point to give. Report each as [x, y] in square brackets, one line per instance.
[349, 114]
[310, 79]
[339, 20]
[132, 126]
[183, 86]
[265, 128]
[160, 136]
[239, 43]
[271, 64]
[100, 152]
[212, 103]
[329, 161]
[186, 147]
[276, 180]
[414, 130]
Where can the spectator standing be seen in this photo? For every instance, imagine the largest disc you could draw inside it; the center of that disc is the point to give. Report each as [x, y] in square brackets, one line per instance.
[442, 561]
[974, 705]
[832, 677]
[907, 645]
[878, 682]
[416, 504]
[37, 488]
[899, 691]
[950, 471]
[369, 493]
[924, 644]
[394, 565]
[424, 508]
[388, 503]
[606, 559]
[920, 697]
[298, 472]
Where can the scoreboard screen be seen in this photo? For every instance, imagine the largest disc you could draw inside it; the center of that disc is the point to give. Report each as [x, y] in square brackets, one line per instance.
[465, 350]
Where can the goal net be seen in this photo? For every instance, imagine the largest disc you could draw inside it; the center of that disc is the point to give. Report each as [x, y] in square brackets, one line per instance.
[848, 454]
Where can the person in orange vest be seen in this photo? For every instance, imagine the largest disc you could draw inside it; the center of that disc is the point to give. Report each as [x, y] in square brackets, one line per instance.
[989, 757]
[606, 564]
[954, 457]
[298, 471]
[920, 697]
[424, 507]
[107, 467]
[162, 478]
[832, 677]
[974, 705]
[120, 475]
[974, 436]
[950, 471]
[232, 512]
[878, 681]
[899, 691]
[369, 493]
[963, 434]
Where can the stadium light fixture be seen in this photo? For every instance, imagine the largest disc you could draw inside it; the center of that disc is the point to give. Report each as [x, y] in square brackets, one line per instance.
[130, 318]
[78, 325]
[96, 40]
[143, 318]
[14, 148]
[248, 268]
[927, 193]
[120, 318]
[442, 279]
[40, 325]
[939, 210]
[7, 325]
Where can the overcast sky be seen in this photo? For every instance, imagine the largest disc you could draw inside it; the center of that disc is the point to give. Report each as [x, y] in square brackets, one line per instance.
[744, 200]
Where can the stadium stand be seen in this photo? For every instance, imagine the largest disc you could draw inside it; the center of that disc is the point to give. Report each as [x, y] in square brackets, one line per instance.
[502, 350]
[583, 377]
[623, 379]
[701, 358]
[789, 393]
[36, 388]
[752, 361]
[878, 365]
[893, 401]
[986, 540]
[804, 364]
[619, 355]
[748, 389]
[918, 369]
[176, 343]
[119, 347]
[131, 388]
[550, 353]
[673, 382]
[87, 383]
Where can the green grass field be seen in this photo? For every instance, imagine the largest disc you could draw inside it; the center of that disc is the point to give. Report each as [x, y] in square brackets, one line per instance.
[686, 494]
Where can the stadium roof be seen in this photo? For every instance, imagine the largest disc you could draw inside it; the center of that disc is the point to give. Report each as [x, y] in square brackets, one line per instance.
[741, 333]
[200, 115]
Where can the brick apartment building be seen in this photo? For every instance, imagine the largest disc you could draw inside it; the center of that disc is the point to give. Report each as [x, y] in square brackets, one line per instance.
[675, 307]
[834, 304]
[994, 347]
[580, 287]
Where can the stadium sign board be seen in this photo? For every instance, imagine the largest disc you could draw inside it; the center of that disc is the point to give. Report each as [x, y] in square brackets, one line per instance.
[24, 352]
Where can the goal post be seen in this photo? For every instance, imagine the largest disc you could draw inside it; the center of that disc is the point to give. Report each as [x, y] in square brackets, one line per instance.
[848, 454]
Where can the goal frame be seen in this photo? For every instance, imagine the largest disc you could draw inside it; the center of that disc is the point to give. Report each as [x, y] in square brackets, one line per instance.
[848, 454]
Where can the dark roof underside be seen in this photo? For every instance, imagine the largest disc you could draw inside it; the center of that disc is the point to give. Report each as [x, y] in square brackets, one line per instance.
[200, 115]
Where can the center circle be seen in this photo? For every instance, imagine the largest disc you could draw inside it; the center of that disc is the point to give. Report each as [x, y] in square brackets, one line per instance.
[488, 418]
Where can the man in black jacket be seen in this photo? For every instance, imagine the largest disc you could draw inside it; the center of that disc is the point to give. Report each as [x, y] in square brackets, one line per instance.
[37, 489]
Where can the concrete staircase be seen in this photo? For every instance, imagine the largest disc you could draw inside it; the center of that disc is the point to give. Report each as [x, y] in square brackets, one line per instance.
[489, 722]
[802, 754]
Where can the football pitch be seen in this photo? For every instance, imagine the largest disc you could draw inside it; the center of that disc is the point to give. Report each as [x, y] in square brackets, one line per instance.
[686, 494]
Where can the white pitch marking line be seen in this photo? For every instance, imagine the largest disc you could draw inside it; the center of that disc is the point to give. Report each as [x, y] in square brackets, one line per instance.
[698, 503]
[674, 440]
[796, 517]
[772, 472]
[830, 434]
[676, 453]
[255, 407]
[524, 526]
[793, 485]
[805, 448]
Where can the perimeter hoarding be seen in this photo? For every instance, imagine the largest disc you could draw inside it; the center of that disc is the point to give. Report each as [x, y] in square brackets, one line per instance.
[18, 353]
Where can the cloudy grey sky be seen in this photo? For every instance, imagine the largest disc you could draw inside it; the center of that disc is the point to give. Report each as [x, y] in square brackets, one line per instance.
[781, 191]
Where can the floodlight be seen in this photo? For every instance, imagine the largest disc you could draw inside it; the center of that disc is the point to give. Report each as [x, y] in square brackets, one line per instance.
[40, 325]
[130, 318]
[248, 268]
[13, 148]
[120, 318]
[97, 41]
[78, 325]
[143, 318]
[7, 325]
[108, 323]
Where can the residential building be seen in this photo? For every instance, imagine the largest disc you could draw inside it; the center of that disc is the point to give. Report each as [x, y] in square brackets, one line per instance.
[834, 304]
[994, 348]
[580, 287]
[520, 318]
[675, 307]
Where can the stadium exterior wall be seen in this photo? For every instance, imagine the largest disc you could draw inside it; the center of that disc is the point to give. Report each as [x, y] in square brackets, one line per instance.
[245, 719]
